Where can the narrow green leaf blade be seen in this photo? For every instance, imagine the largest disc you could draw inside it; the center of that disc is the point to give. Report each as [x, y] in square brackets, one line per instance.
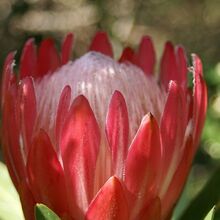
[216, 213]
[210, 215]
[10, 206]
[205, 200]
[42, 212]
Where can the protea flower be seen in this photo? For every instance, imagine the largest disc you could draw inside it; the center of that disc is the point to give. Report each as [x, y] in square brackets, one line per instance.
[99, 139]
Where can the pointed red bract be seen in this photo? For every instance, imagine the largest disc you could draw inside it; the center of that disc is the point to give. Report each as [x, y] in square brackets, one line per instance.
[182, 67]
[46, 174]
[101, 43]
[28, 62]
[62, 111]
[143, 162]
[110, 203]
[67, 48]
[173, 66]
[13, 149]
[127, 55]
[28, 111]
[168, 65]
[7, 75]
[117, 129]
[79, 143]
[48, 58]
[199, 99]
[145, 57]
[173, 125]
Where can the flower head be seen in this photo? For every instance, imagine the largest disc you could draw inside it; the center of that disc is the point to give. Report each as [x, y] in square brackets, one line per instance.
[96, 138]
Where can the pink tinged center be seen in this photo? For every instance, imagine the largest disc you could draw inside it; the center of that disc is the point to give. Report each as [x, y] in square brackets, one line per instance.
[97, 77]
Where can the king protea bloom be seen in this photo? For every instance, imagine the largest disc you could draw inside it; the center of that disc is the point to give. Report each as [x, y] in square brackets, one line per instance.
[100, 139]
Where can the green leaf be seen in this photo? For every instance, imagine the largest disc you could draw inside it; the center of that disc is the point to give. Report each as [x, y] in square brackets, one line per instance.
[42, 212]
[210, 215]
[10, 206]
[205, 200]
[216, 212]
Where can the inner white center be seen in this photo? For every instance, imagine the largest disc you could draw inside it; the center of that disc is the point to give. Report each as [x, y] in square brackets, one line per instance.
[97, 76]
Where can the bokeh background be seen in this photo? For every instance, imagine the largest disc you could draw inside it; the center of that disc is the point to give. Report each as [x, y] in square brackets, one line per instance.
[192, 23]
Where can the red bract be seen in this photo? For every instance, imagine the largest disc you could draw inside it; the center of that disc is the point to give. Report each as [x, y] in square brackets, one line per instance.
[96, 138]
